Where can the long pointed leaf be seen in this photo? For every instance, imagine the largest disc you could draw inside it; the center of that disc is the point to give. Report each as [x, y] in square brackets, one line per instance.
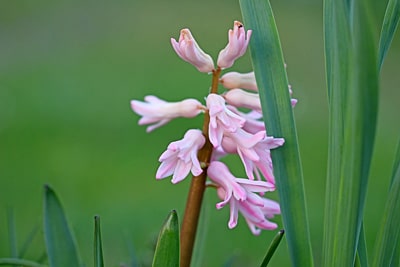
[12, 233]
[359, 132]
[362, 248]
[268, 65]
[167, 249]
[98, 248]
[390, 23]
[386, 250]
[272, 248]
[60, 244]
[20, 262]
[337, 61]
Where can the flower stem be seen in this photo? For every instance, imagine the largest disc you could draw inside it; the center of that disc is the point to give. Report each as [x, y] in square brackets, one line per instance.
[197, 187]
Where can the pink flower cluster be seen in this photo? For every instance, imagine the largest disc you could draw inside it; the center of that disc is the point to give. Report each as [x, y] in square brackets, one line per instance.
[230, 131]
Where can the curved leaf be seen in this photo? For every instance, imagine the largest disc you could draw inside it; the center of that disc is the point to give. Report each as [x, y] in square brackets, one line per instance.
[167, 249]
[60, 244]
[98, 249]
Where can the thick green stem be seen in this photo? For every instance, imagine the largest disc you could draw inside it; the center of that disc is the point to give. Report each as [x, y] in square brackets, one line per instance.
[197, 187]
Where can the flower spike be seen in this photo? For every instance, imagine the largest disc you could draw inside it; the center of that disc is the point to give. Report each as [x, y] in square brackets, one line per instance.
[188, 49]
[236, 47]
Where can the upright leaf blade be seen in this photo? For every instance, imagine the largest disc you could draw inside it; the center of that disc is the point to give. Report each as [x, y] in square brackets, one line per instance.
[390, 23]
[167, 249]
[268, 65]
[272, 248]
[60, 244]
[337, 61]
[98, 247]
[388, 238]
[345, 219]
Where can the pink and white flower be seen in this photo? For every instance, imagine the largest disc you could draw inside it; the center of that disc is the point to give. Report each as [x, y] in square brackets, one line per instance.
[254, 123]
[243, 99]
[232, 80]
[180, 158]
[238, 189]
[236, 47]
[188, 49]
[221, 119]
[241, 195]
[160, 112]
[254, 151]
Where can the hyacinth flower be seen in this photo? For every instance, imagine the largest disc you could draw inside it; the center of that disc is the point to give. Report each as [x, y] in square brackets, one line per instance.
[236, 47]
[180, 158]
[188, 49]
[160, 112]
[241, 194]
[226, 131]
[235, 80]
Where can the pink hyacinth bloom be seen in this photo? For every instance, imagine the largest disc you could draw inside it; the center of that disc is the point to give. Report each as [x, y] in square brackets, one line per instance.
[243, 99]
[253, 123]
[232, 80]
[160, 112]
[254, 151]
[188, 49]
[181, 157]
[257, 216]
[236, 189]
[236, 47]
[221, 119]
[241, 195]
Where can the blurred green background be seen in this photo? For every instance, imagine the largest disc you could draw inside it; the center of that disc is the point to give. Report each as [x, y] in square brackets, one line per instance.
[68, 70]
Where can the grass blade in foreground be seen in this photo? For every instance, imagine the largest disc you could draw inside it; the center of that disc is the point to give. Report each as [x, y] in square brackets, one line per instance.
[268, 64]
[390, 23]
[272, 248]
[337, 60]
[60, 245]
[388, 236]
[20, 262]
[98, 248]
[167, 249]
[359, 132]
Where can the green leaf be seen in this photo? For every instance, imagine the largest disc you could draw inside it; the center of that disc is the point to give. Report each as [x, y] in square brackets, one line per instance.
[390, 23]
[337, 62]
[12, 233]
[98, 249]
[167, 249]
[346, 197]
[272, 248]
[362, 248]
[268, 65]
[28, 241]
[20, 262]
[386, 250]
[60, 244]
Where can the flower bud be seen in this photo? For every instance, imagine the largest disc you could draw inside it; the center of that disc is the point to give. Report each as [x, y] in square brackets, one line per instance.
[233, 80]
[236, 47]
[189, 51]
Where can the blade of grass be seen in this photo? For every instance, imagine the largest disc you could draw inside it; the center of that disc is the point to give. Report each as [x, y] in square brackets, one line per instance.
[272, 248]
[359, 132]
[386, 250]
[28, 241]
[362, 248]
[390, 23]
[20, 262]
[12, 233]
[98, 248]
[167, 249]
[337, 61]
[268, 65]
[60, 244]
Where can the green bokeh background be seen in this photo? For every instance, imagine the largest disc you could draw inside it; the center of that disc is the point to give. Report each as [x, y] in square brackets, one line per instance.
[68, 70]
